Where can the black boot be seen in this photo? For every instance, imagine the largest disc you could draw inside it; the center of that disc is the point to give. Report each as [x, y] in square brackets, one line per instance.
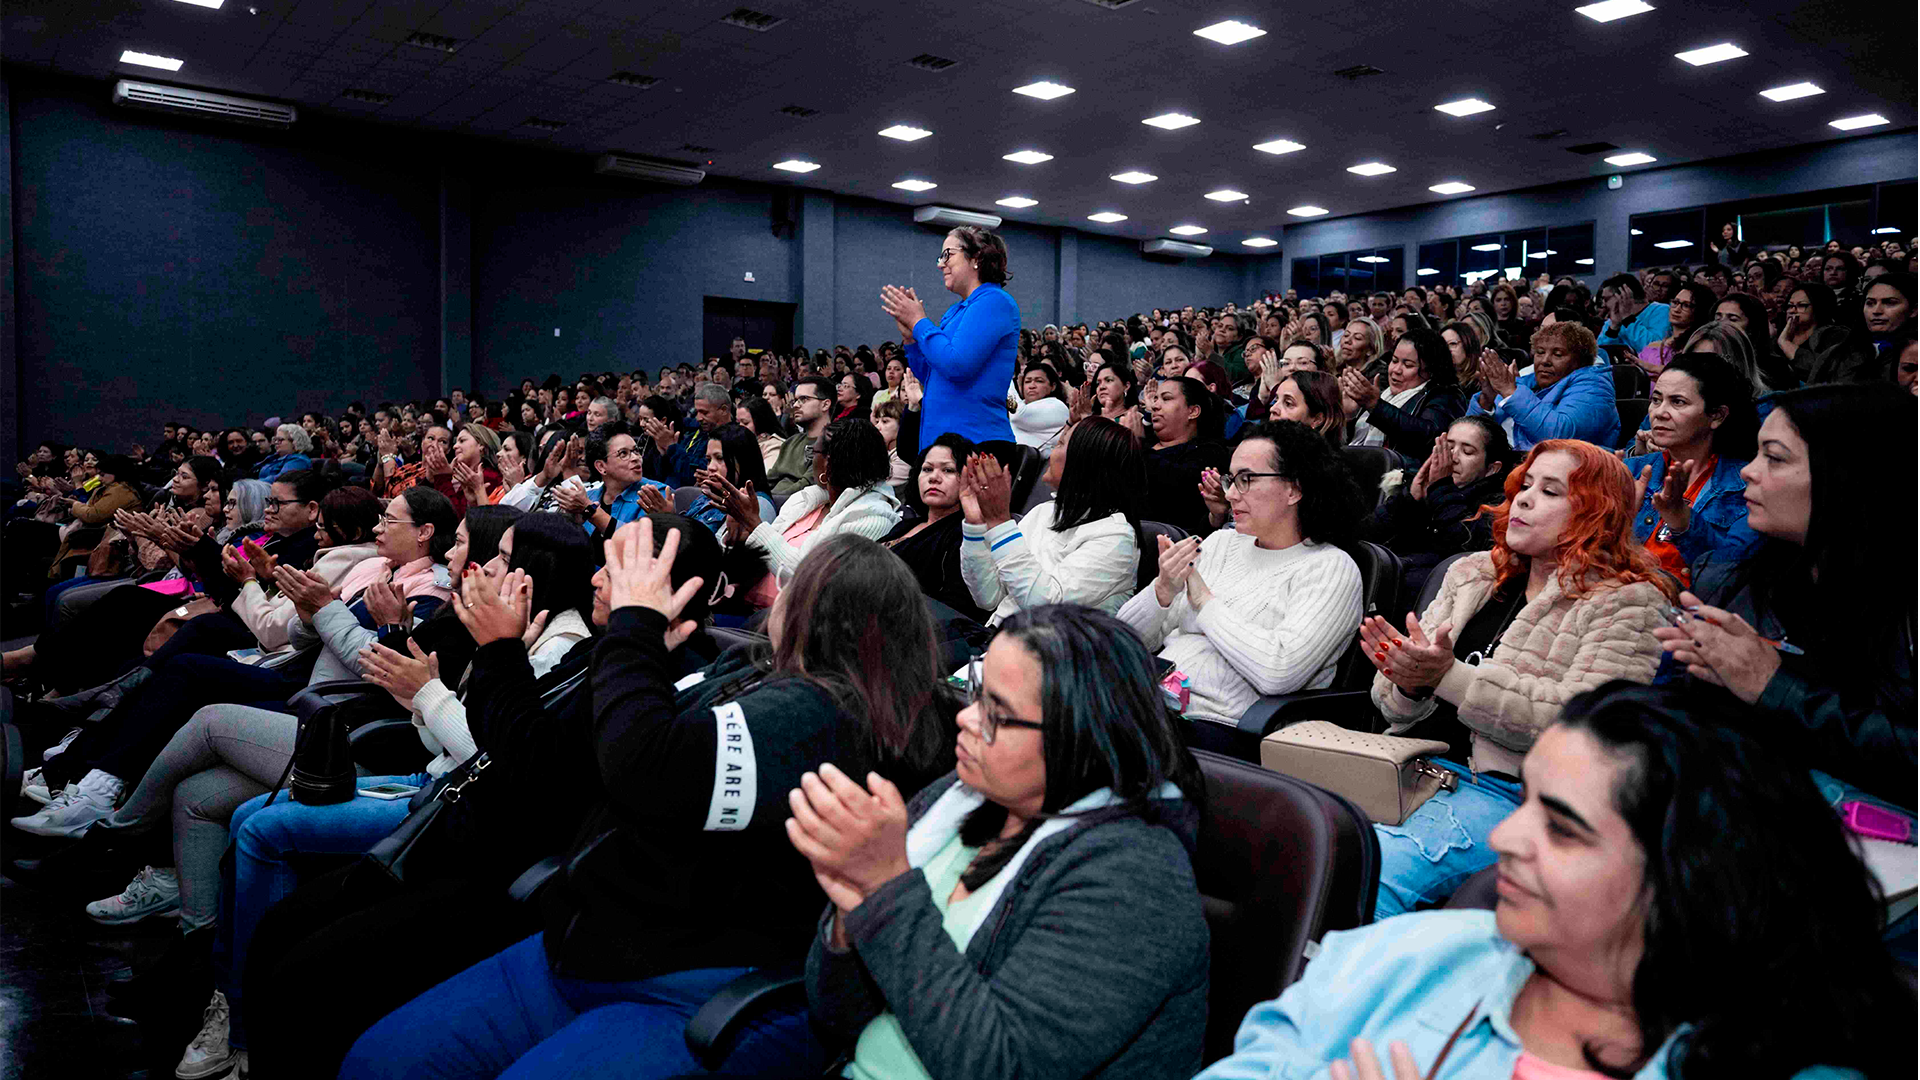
[183, 973]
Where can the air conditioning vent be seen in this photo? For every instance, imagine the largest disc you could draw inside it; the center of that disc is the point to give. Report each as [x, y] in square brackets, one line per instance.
[1548, 136]
[1176, 248]
[695, 148]
[948, 217]
[541, 124]
[930, 62]
[799, 112]
[176, 99]
[664, 172]
[1591, 148]
[748, 19]
[1359, 71]
[1113, 5]
[433, 41]
[638, 82]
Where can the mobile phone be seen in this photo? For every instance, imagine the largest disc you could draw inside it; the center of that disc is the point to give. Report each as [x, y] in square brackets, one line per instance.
[388, 791]
[1870, 820]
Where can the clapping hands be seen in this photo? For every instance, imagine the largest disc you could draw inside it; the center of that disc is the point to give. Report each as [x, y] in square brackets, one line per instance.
[986, 491]
[1414, 662]
[904, 306]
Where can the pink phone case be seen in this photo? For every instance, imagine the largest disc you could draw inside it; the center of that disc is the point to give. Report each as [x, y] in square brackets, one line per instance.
[1870, 820]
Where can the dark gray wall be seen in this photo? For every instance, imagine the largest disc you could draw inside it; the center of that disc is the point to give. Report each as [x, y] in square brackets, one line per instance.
[1864, 160]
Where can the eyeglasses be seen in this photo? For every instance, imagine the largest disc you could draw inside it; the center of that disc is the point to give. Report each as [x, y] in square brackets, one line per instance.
[947, 253]
[390, 521]
[1243, 479]
[275, 504]
[1801, 305]
[808, 397]
[628, 453]
[990, 724]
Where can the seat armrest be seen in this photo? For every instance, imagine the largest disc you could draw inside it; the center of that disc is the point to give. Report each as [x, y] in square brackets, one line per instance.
[1348, 708]
[321, 694]
[387, 747]
[711, 1033]
[528, 884]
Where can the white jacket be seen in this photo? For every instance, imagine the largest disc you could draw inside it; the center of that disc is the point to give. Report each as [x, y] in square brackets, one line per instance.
[440, 716]
[1025, 563]
[870, 512]
[267, 615]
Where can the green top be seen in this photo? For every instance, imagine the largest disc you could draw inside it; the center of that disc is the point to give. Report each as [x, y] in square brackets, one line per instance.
[882, 1052]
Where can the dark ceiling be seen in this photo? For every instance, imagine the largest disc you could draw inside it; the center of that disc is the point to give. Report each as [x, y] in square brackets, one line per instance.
[714, 92]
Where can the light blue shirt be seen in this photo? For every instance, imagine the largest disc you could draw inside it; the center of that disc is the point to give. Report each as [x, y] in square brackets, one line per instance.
[1642, 330]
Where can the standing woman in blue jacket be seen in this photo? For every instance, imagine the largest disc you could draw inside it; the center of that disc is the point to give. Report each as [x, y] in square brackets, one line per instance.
[966, 362]
[1692, 500]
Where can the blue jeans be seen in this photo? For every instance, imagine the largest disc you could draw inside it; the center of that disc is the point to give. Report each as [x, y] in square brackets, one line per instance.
[1426, 857]
[511, 1017]
[266, 840]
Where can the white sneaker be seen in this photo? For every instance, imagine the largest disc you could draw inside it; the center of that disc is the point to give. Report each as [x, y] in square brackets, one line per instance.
[151, 892]
[33, 785]
[75, 810]
[209, 1054]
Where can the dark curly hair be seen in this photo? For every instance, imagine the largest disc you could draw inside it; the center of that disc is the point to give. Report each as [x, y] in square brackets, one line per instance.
[1741, 847]
[856, 454]
[1329, 498]
[984, 248]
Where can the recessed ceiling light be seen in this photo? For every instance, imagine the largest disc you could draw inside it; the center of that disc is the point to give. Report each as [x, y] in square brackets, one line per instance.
[1885, 229]
[1134, 176]
[164, 63]
[1186, 230]
[1609, 10]
[1849, 123]
[1106, 217]
[1464, 107]
[204, 3]
[1172, 121]
[1632, 158]
[1018, 202]
[1451, 187]
[1229, 32]
[1671, 244]
[916, 185]
[1227, 195]
[1045, 91]
[1369, 259]
[1584, 262]
[796, 165]
[1541, 254]
[1791, 92]
[1425, 271]
[1279, 146]
[1370, 168]
[1486, 247]
[1259, 241]
[1307, 211]
[1635, 232]
[1712, 54]
[905, 133]
[1027, 157]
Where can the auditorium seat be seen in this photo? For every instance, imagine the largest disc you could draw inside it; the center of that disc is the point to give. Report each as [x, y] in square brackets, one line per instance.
[1368, 464]
[1631, 381]
[1042, 493]
[1149, 532]
[388, 745]
[683, 498]
[1632, 411]
[1348, 701]
[1430, 590]
[1027, 468]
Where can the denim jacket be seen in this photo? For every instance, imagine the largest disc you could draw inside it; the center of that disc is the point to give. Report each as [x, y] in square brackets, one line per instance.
[1719, 511]
[1413, 978]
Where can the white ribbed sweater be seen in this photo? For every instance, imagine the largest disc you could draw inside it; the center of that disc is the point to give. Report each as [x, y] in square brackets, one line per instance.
[1278, 622]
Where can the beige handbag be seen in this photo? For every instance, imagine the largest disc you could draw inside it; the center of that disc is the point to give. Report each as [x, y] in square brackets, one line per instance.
[1387, 776]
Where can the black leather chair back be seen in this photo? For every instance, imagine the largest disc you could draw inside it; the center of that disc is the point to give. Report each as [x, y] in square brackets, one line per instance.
[1042, 492]
[1368, 464]
[1280, 863]
[1631, 381]
[1632, 411]
[1026, 473]
[1431, 590]
[683, 498]
[1380, 576]
[727, 637]
[1150, 549]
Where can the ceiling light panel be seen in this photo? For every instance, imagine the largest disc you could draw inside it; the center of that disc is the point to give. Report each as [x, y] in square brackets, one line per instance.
[1486, 247]
[1172, 121]
[1464, 107]
[905, 133]
[1026, 157]
[205, 3]
[1886, 230]
[1371, 168]
[916, 185]
[1791, 92]
[1584, 262]
[1609, 10]
[1186, 230]
[1451, 187]
[795, 165]
[1106, 217]
[164, 63]
[1045, 91]
[1633, 158]
[1279, 146]
[1712, 54]
[1230, 32]
[1134, 176]
[1227, 195]
[1425, 271]
[1855, 123]
[1369, 258]
[1307, 211]
[1018, 202]
[1259, 241]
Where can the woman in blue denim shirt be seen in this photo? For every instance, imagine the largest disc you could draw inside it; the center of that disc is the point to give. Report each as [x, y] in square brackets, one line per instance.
[1675, 900]
[1703, 422]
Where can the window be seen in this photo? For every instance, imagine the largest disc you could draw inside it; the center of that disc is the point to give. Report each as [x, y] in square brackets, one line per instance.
[1523, 254]
[1774, 222]
[1666, 239]
[1439, 263]
[1366, 270]
[1306, 277]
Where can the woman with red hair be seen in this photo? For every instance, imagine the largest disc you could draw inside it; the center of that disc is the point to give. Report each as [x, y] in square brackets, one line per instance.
[1567, 600]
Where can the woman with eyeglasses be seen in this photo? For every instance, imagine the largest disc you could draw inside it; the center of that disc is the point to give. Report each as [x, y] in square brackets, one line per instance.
[1688, 309]
[1033, 914]
[967, 360]
[1816, 337]
[1266, 607]
[291, 445]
